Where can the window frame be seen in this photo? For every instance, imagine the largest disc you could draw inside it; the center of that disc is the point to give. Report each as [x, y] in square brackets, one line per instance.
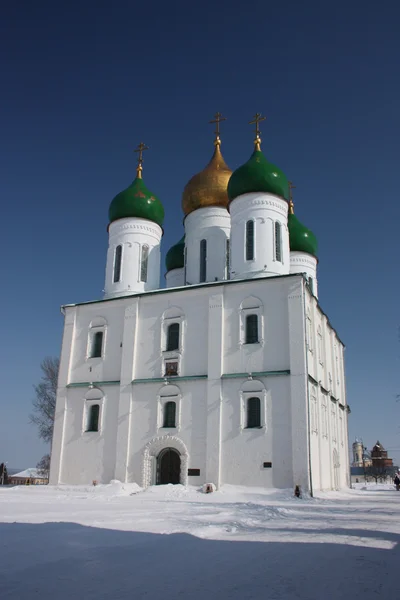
[248, 415]
[168, 337]
[88, 403]
[309, 332]
[262, 395]
[278, 241]
[320, 345]
[93, 330]
[227, 259]
[166, 405]
[246, 327]
[117, 255]
[169, 393]
[203, 261]
[247, 246]
[166, 322]
[256, 308]
[144, 263]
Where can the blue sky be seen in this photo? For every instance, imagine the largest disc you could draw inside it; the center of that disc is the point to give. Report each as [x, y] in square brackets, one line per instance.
[83, 83]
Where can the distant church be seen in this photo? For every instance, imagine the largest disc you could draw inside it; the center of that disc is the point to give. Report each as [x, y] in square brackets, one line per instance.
[232, 374]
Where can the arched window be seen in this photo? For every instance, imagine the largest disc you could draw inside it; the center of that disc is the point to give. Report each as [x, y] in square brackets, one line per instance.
[250, 240]
[228, 259]
[97, 345]
[251, 336]
[320, 355]
[253, 413]
[93, 417]
[117, 264]
[278, 242]
[144, 259]
[173, 337]
[311, 285]
[169, 414]
[203, 261]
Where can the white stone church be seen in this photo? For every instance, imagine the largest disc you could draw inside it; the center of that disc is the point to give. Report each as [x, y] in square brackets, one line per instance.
[232, 374]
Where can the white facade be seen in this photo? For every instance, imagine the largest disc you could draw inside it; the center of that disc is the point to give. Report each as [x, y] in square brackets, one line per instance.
[175, 278]
[294, 369]
[207, 231]
[133, 257]
[302, 262]
[267, 215]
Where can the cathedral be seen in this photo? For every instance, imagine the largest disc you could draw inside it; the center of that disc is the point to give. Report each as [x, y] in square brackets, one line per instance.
[232, 373]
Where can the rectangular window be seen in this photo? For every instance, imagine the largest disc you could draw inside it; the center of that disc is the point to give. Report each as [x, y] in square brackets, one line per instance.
[251, 336]
[93, 417]
[253, 413]
[278, 242]
[173, 337]
[171, 368]
[169, 414]
[250, 240]
[97, 345]
[203, 261]
[117, 264]
[228, 260]
[144, 263]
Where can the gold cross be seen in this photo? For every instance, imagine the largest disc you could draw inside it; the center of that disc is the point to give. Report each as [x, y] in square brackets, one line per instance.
[291, 204]
[217, 120]
[257, 120]
[140, 149]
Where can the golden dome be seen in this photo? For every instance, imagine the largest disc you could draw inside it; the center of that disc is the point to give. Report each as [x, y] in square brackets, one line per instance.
[209, 187]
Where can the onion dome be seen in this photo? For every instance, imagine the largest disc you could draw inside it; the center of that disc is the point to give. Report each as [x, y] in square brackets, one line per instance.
[209, 187]
[257, 174]
[301, 239]
[175, 258]
[137, 200]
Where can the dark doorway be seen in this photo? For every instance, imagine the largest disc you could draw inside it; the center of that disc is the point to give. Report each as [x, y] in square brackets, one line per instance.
[168, 467]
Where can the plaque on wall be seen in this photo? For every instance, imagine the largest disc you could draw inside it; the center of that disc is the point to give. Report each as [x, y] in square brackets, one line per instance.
[267, 465]
[193, 472]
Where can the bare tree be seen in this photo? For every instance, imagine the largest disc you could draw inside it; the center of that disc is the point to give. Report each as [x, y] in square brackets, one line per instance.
[379, 472]
[44, 403]
[43, 466]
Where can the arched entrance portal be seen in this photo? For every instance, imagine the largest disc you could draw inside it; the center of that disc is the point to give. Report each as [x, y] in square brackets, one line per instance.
[168, 467]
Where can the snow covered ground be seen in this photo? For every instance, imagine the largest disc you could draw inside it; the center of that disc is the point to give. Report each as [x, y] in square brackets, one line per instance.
[116, 542]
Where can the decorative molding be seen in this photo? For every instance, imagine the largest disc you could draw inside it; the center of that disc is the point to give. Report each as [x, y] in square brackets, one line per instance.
[92, 383]
[153, 448]
[255, 374]
[170, 380]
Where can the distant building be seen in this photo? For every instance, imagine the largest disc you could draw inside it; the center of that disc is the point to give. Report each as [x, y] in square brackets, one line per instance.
[28, 477]
[370, 466]
[380, 458]
[361, 457]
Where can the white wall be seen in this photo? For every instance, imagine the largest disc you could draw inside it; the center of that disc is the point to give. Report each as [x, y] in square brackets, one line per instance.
[175, 278]
[132, 234]
[301, 262]
[211, 426]
[264, 210]
[212, 224]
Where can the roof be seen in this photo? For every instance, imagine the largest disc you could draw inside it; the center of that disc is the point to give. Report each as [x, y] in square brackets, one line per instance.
[31, 472]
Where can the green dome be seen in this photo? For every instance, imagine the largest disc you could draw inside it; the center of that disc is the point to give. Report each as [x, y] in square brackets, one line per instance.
[136, 201]
[258, 175]
[175, 258]
[301, 239]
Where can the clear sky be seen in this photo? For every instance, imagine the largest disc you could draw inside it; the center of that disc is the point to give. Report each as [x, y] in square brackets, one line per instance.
[83, 82]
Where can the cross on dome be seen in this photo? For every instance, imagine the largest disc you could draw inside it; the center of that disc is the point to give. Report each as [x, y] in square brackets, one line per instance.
[140, 149]
[256, 121]
[217, 120]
